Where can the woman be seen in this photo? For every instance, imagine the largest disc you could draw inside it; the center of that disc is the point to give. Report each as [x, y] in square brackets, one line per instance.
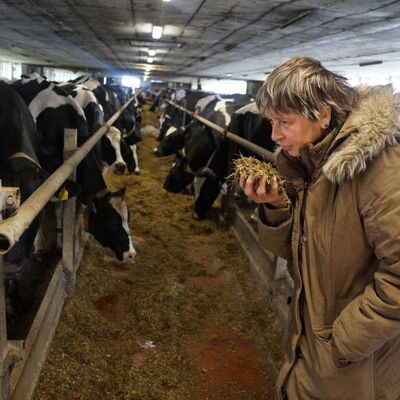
[339, 151]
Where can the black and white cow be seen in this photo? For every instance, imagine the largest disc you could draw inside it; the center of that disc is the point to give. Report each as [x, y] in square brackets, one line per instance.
[53, 110]
[111, 98]
[129, 124]
[174, 118]
[111, 146]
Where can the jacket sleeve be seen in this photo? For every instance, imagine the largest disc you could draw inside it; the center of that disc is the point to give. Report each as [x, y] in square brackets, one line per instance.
[373, 318]
[275, 230]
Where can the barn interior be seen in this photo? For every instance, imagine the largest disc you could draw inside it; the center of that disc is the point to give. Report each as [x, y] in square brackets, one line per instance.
[187, 320]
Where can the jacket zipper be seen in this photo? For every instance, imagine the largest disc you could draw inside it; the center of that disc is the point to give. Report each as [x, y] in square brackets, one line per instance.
[298, 301]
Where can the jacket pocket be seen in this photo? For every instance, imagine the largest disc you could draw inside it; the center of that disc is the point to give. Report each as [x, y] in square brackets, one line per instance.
[339, 378]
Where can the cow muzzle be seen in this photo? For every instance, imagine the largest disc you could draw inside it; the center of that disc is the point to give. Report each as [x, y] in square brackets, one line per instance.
[129, 256]
[119, 168]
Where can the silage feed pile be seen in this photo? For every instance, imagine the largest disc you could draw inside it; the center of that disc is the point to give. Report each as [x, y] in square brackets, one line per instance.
[185, 321]
[244, 167]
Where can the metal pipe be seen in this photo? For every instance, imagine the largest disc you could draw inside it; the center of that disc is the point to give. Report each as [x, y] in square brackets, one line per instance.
[260, 151]
[12, 228]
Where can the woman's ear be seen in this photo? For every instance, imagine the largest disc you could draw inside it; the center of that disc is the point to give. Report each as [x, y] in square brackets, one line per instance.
[325, 117]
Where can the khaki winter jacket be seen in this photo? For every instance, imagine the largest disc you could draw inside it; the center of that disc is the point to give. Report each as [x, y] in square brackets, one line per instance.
[343, 236]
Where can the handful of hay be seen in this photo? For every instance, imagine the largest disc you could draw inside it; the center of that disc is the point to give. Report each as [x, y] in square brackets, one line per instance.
[246, 166]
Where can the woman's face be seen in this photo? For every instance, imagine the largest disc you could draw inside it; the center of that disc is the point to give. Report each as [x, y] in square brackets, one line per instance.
[293, 130]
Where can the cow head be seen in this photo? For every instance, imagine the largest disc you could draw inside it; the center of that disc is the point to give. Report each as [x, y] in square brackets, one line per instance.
[111, 153]
[172, 142]
[165, 125]
[178, 178]
[108, 222]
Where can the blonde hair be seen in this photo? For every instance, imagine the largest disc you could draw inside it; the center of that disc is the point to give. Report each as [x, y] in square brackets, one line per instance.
[304, 86]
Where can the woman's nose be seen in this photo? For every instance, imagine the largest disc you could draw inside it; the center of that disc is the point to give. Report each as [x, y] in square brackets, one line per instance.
[276, 133]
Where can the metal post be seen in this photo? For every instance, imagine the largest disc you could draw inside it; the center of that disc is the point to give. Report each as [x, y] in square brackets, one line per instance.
[227, 199]
[4, 373]
[9, 198]
[69, 217]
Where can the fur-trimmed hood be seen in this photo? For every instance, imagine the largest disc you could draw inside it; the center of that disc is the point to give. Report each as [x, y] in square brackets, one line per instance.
[367, 131]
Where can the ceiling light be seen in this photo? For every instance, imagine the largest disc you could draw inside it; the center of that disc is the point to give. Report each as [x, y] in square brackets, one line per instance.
[148, 68]
[152, 52]
[366, 63]
[299, 16]
[228, 74]
[157, 32]
[166, 0]
[150, 59]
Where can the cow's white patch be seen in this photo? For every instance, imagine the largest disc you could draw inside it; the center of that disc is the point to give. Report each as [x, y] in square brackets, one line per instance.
[251, 107]
[121, 208]
[89, 82]
[202, 103]
[180, 94]
[34, 76]
[135, 157]
[84, 96]
[48, 98]
[198, 182]
[170, 130]
[114, 136]
[220, 106]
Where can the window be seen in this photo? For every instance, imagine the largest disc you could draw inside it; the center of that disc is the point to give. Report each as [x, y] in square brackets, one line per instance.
[224, 86]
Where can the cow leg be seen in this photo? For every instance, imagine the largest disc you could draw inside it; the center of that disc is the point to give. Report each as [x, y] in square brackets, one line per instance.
[135, 157]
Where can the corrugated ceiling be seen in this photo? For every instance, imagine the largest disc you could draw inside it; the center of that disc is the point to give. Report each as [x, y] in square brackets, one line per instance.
[213, 38]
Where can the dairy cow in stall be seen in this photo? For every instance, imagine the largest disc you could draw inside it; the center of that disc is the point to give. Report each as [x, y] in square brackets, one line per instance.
[129, 123]
[174, 138]
[109, 100]
[53, 110]
[174, 118]
[110, 147]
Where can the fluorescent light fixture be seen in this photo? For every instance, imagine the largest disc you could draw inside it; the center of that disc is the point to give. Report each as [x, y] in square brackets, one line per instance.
[366, 63]
[303, 14]
[130, 81]
[166, 1]
[152, 52]
[157, 31]
[150, 59]
[224, 86]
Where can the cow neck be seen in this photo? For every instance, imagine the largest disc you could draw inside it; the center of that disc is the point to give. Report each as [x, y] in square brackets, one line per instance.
[20, 154]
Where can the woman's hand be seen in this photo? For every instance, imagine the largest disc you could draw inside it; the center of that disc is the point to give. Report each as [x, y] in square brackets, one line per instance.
[264, 193]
